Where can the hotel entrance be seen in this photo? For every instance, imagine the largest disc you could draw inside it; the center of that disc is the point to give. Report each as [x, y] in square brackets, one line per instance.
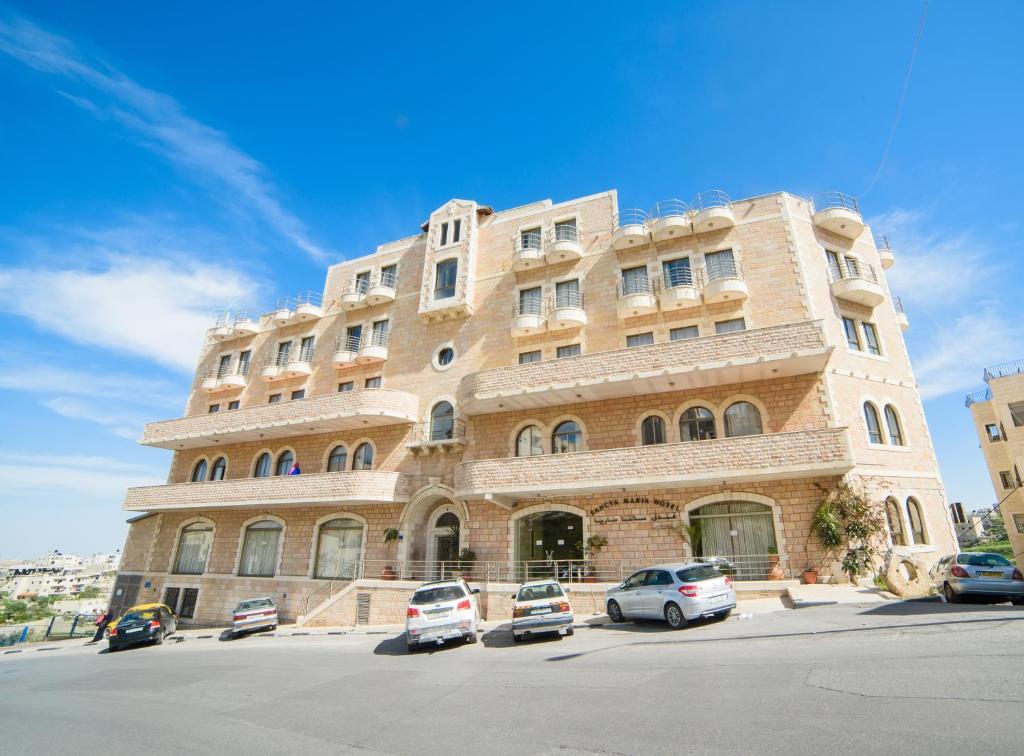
[548, 543]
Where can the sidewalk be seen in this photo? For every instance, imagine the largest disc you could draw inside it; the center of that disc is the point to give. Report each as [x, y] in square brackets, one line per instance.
[845, 593]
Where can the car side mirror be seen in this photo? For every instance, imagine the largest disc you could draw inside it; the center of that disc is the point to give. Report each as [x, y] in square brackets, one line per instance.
[513, 597]
[476, 590]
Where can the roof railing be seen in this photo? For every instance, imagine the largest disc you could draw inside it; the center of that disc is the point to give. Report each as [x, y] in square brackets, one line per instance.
[314, 298]
[711, 198]
[632, 216]
[882, 242]
[898, 304]
[671, 208]
[829, 200]
[978, 396]
[245, 316]
[1015, 367]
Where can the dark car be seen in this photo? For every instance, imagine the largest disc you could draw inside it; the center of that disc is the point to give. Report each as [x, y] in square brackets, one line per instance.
[149, 623]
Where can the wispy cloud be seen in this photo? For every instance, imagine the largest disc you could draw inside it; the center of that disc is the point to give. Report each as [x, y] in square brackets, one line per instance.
[120, 423]
[200, 151]
[28, 478]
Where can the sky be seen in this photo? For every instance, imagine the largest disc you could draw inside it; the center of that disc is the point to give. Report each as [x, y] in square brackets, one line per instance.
[161, 161]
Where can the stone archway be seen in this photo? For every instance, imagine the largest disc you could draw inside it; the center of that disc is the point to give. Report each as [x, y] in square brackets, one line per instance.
[424, 510]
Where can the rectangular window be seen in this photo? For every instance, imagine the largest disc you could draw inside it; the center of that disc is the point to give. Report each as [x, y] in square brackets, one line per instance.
[570, 350]
[244, 359]
[224, 365]
[530, 238]
[273, 399]
[833, 264]
[731, 326]
[362, 281]
[720, 265]
[189, 597]
[306, 349]
[683, 333]
[446, 273]
[346, 386]
[1017, 413]
[530, 302]
[389, 276]
[353, 337]
[456, 231]
[372, 382]
[381, 333]
[527, 357]
[234, 404]
[992, 431]
[282, 353]
[299, 394]
[640, 339]
[1006, 479]
[871, 338]
[852, 267]
[635, 281]
[565, 230]
[444, 234]
[852, 337]
[1018, 521]
[567, 294]
[677, 272]
[213, 408]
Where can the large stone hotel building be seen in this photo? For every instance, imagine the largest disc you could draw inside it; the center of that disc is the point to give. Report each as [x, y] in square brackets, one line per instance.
[562, 389]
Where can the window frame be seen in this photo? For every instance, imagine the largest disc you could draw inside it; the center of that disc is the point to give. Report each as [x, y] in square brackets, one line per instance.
[447, 263]
[719, 323]
[673, 331]
[653, 431]
[642, 334]
[699, 422]
[892, 416]
[870, 412]
[871, 338]
[757, 415]
[359, 456]
[577, 434]
[536, 440]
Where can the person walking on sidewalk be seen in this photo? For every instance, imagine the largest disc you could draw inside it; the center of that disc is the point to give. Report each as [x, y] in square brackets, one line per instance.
[101, 624]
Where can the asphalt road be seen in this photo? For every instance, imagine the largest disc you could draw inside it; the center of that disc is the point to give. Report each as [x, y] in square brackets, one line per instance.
[898, 677]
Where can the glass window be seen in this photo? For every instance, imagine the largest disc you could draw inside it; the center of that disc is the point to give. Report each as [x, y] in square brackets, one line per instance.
[895, 522]
[199, 471]
[372, 383]
[353, 338]
[363, 458]
[1006, 479]
[871, 420]
[380, 334]
[565, 230]
[569, 350]
[362, 281]
[339, 548]
[273, 399]
[683, 333]
[640, 339]
[193, 549]
[731, 326]
[1017, 413]
[983, 560]
[444, 234]
[892, 422]
[445, 356]
[284, 463]
[346, 386]
[388, 276]
[306, 348]
[992, 431]
[299, 394]
[530, 301]
[262, 467]
[336, 461]
[259, 549]
[696, 574]
[742, 419]
[442, 421]
[219, 469]
[244, 360]
[437, 595]
[456, 230]
[634, 280]
[852, 337]
[445, 277]
[652, 430]
[1018, 521]
[526, 358]
[213, 408]
[529, 442]
[234, 404]
[720, 265]
[567, 438]
[871, 338]
[852, 267]
[283, 350]
[832, 260]
[567, 294]
[530, 238]
[697, 424]
[677, 272]
[538, 592]
[916, 523]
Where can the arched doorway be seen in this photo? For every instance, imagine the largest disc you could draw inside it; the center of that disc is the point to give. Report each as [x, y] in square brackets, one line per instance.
[740, 533]
[545, 538]
[434, 526]
[444, 535]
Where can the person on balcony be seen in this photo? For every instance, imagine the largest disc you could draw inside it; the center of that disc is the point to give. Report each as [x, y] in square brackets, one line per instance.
[295, 469]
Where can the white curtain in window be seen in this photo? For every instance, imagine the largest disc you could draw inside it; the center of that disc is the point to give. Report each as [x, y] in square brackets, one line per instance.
[338, 551]
[742, 419]
[193, 549]
[259, 553]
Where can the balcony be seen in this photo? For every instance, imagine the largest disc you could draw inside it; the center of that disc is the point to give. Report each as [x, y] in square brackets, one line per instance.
[838, 213]
[775, 352]
[382, 289]
[346, 410]
[635, 297]
[630, 230]
[885, 253]
[354, 295]
[746, 459]
[374, 348]
[677, 289]
[712, 211]
[440, 435]
[855, 282]
[565, 311]
[338, 488]
[528, 252]
[670, 219]
[723, 282]
[563, 245]
[528, 318]
[224, 378]
[901, 315]
[288, 365]
[346, 351]
[307, 306]
[245, 324]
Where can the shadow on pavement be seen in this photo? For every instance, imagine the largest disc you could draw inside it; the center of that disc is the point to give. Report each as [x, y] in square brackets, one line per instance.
[501, 637]
[396, 646]
[935, 605]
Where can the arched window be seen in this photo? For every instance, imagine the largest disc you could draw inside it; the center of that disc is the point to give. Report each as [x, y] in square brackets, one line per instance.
[193, 549]
[219, 469]
[697, 424]
[871, 420]
[652, 430]
[742, 419]
[892, 421]
[259, 549]
[916, 523]
[262, 467]
[336, 462]
[199, 471]
[363, 458]
[442, 421]
[338, 550]
[567, 438]
[892, 516]
[284, 463]
[529, 442]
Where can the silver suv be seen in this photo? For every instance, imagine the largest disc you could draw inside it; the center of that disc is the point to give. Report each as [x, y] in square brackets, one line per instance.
[675, 593]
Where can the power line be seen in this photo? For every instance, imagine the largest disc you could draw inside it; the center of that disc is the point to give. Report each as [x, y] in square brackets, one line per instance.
[903, 98]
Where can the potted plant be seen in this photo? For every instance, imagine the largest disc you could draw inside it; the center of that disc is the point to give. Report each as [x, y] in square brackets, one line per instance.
[390, 536]
[774, 569]
[810, 575]
[592, 548]
[689, 533]
[847, 518]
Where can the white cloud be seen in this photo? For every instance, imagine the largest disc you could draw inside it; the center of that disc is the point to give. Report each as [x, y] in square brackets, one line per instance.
[202, 152]
[91, 462]
[24, 373]
[33, 480]
[126, 425]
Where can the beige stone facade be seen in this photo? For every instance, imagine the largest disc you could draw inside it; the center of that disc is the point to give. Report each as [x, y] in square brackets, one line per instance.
[998, 413]
[516, 383]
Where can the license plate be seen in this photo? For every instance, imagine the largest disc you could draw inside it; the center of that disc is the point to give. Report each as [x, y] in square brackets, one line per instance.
[991, 574]
[438, 612]
[541, 610]
[718, 599]
[136, 630]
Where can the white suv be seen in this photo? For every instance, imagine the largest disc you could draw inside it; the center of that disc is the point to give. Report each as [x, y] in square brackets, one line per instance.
[442, 611]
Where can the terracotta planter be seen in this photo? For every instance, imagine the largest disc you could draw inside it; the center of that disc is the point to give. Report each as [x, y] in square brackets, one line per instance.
[810, 577]
[776, 573]
[590, 578]
[388, 573]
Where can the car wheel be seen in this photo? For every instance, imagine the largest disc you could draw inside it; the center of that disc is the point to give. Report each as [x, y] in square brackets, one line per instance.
[412, 647]
[724, 615]
[1017, 601]
[472, 637]
[615, 612]
[272, 628]
[159, 639]
[950, 594]
[569, 630]
[674, 617]
[517, 638]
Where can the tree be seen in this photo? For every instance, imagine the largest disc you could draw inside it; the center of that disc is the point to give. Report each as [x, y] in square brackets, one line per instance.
[996, 530]
[849, 518]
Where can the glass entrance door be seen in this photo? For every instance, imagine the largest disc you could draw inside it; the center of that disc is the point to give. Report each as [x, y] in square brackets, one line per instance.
[547, 543]
[741, 533]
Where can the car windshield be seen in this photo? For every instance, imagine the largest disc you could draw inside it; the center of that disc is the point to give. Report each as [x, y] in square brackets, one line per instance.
[138, 617]
[248, 606]
[698, 573]
[983, 560]
[436, 595]
[534, 592]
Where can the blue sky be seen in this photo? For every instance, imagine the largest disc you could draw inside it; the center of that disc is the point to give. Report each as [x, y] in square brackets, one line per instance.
[159, 161]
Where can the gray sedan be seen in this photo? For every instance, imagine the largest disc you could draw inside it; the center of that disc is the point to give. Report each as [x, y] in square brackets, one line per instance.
[979, 574]
[675, 593]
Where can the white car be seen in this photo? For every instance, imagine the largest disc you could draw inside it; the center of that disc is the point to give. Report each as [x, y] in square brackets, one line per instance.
[675, 593]
[442, 611]
[541, 606]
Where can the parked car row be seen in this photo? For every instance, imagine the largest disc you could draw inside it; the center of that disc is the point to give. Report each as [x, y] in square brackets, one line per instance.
[981, 575]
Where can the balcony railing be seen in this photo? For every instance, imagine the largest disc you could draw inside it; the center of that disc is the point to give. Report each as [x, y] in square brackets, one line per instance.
[388, 280]
[1016, 367]
[376, 339]
[439, 430]
[977, 397]
[528, 306]
[529, 241]
[675, 278]
[851, 269]
[347, 344]
[631, 217]
[357, 286]
[313, 298]
[717, 271]
[830, 200]
[563, 233]
[670, 208]
[565, 300]
[709, 199]
[898, 304]
[629, 286]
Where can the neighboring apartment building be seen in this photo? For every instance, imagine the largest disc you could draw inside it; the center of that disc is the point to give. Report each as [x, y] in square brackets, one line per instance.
[514, 384]
[998, 413]
[57, 574]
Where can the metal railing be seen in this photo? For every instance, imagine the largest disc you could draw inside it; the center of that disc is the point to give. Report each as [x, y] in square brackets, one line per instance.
[628, 287]
[898, 304]
[387, 280]
[234, 367]
[357, 286]
[532, 241]
[60, 627]
[882, 243]
[281, 359]
[850, 268]
[722, 269]
[564, 232]
[528, 306]
[709, 199]
[313, 298]
[565, 300]
[675, 278]
[670, 208]
[829, 200]
[631, 217]
[245, 316]
[977, 397]
[439, 429]
[1016, 367]
[376, 339]
[329, 588]
[347, 343]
